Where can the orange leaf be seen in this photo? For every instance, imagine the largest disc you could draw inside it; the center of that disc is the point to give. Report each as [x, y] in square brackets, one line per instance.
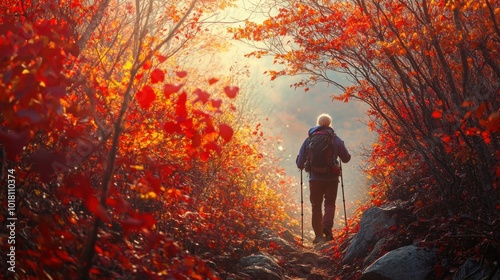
[486, 136]
[231, 91]
[147, 65]
[467, 103]
[212, 81]
[467, 115]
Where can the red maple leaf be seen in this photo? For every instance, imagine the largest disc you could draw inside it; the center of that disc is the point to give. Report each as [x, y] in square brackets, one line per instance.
[231, 91]
[157, 76]
[226, 132]
[146, 97]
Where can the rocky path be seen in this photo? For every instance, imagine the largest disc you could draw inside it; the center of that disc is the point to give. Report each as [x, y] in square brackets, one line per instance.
[290, 261]
[376, 251]
[310, 264]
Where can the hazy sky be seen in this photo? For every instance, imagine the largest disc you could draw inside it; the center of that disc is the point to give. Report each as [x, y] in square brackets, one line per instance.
[291, 112]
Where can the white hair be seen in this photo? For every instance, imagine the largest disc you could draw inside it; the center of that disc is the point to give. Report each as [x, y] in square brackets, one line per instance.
[324, 120]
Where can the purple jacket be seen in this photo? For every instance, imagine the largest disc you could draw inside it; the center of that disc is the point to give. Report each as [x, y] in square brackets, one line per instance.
[339, 146]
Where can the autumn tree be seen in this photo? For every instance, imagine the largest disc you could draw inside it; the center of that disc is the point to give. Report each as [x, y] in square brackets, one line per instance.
[428, 70]
[119, 154]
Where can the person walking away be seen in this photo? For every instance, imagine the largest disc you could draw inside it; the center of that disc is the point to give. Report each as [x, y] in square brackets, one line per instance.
[319, 157]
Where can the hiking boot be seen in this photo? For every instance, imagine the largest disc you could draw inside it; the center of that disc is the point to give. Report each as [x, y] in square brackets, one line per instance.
[318, 239]
[329, 237]
[328, 234]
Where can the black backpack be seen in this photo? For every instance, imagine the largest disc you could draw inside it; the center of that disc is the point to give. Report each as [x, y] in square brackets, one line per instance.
[320, 154]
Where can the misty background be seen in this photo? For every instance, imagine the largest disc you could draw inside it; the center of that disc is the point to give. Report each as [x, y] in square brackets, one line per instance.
[287, 113]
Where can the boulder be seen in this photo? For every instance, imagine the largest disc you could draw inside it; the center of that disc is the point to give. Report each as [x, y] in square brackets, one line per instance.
[373, 223]
[375, 253]
[409, 262]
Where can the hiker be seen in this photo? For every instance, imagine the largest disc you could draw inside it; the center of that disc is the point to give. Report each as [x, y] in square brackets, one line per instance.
[323, 180]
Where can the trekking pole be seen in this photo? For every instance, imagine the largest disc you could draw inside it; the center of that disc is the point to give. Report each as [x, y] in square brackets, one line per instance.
[343, 196]
[302, 206]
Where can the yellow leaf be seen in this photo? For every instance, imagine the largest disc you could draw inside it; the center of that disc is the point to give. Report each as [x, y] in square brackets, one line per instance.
[128, 65]
[137, 167]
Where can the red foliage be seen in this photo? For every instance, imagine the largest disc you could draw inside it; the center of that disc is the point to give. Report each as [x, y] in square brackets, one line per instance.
[120, 169]
[429, 74]
[231, 91]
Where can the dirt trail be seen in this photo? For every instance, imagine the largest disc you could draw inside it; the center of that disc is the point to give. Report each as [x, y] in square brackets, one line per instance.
[311, 262]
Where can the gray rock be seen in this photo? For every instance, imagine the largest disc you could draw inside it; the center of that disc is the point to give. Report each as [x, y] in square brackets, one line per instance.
[288, 236]
[260, 259]
[375, 253]
[283, 244]
[373, 222]
[409, 263]
[261, 273]
[309, 258]
[302, 270]
[472, 270]
[260, 266]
